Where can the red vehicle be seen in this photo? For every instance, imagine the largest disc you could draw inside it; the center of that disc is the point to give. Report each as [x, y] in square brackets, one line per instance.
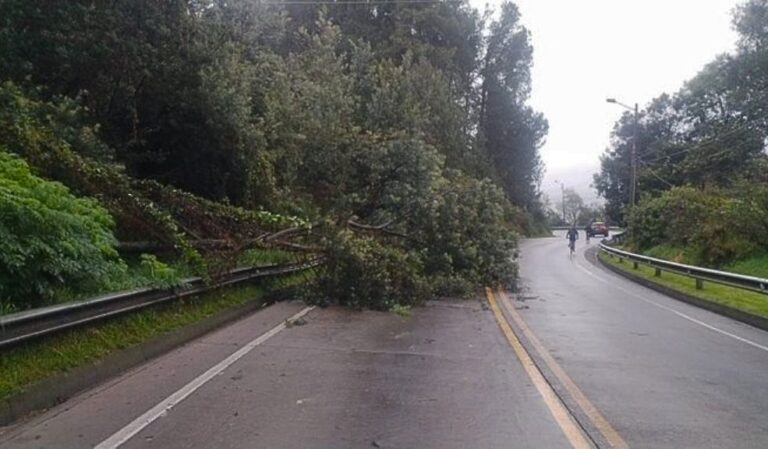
[598, 228]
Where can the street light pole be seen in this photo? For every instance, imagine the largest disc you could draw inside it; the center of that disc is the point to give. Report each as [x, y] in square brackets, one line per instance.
[633, 193]
[562, 198]
[633, 156]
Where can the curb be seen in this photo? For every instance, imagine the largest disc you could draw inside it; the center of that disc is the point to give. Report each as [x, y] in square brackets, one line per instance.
[736, 314]
[54, 390]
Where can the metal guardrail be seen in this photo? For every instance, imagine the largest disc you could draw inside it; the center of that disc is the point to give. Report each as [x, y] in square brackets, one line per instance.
[581, 228]
[700, 274]
[23, 326]
[618, 237]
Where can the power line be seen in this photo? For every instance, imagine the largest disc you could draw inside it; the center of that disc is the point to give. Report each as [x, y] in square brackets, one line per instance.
[700, 145]
[358, 2]
[669, 184]
[706, 164]
[708, 157]
[703, 144]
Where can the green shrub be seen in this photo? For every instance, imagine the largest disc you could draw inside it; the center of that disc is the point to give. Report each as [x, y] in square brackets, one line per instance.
[709, 227]
[157, 273]
[674, 218]
[748, 212]
[361, 272]
[50, 238]
[466, 234]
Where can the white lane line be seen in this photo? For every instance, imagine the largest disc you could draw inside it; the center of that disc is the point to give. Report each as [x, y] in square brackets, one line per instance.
[670, 309]
[162, 408]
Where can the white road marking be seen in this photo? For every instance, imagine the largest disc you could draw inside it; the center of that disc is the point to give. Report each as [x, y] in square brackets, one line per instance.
[165, 406]
[670, 309]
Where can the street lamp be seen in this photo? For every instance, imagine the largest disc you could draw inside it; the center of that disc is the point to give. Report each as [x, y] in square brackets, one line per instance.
[562, 198]
[633, 158]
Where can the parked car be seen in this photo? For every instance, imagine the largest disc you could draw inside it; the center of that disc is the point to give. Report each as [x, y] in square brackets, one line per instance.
[598, 228]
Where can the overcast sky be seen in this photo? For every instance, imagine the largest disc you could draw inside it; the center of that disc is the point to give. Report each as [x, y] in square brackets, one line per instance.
[633, 50]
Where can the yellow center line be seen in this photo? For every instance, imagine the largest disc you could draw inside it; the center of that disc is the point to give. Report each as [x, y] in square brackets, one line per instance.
[563, 418]
[598, 420]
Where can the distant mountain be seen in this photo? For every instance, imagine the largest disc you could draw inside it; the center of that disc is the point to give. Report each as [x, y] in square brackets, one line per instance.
[578, 178]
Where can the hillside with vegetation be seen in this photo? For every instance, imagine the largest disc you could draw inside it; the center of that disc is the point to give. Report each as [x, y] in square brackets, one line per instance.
[392, 140]
[702, 163]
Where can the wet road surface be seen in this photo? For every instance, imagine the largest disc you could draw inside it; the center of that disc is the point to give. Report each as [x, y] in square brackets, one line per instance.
[442, 378]
[625, 366]
[665, 374]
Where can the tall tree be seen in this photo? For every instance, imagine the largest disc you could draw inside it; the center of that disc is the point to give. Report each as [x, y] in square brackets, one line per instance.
[513, 132]
[711, 133]
[572, 206]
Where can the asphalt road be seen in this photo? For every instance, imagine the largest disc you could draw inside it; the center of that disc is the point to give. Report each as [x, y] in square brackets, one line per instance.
[622, 365]
[443, 378]
[663, 373]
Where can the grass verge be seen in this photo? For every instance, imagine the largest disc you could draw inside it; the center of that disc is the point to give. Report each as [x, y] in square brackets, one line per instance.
[744, 300]
[28, 363]
[753, 266]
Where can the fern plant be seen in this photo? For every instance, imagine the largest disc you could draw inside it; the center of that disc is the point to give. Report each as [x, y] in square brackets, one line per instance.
[49, 238]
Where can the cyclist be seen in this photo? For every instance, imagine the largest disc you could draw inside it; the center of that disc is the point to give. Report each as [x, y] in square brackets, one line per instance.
[572, 235]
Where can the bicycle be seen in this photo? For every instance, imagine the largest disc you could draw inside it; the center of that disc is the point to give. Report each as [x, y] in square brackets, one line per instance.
[572, 247]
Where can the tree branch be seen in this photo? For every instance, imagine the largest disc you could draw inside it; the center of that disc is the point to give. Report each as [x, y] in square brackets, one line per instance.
[366, 227]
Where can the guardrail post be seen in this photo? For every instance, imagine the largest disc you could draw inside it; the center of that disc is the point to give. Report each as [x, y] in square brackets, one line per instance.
[699, 284]
[657, 273]
[621, 259]
[634, 265]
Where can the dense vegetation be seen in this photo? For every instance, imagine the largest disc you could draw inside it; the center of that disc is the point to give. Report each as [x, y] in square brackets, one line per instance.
[701, 158]
[49, 236]
[392, 139]
[712, 227]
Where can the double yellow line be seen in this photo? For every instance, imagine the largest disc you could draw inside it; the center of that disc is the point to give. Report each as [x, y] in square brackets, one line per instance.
[572, 430]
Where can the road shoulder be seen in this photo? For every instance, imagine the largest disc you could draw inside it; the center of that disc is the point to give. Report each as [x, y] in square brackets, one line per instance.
[721, 309]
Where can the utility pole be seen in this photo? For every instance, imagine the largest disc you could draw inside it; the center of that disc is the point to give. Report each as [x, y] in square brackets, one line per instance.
[562, 199]
[633, 156]
[633, 186]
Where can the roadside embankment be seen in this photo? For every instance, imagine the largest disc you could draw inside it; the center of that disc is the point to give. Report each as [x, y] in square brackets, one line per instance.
[44, 372]
[742, 305]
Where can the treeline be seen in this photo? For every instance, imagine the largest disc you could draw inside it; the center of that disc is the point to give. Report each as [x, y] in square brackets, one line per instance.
[392, 139]
[702, 165]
